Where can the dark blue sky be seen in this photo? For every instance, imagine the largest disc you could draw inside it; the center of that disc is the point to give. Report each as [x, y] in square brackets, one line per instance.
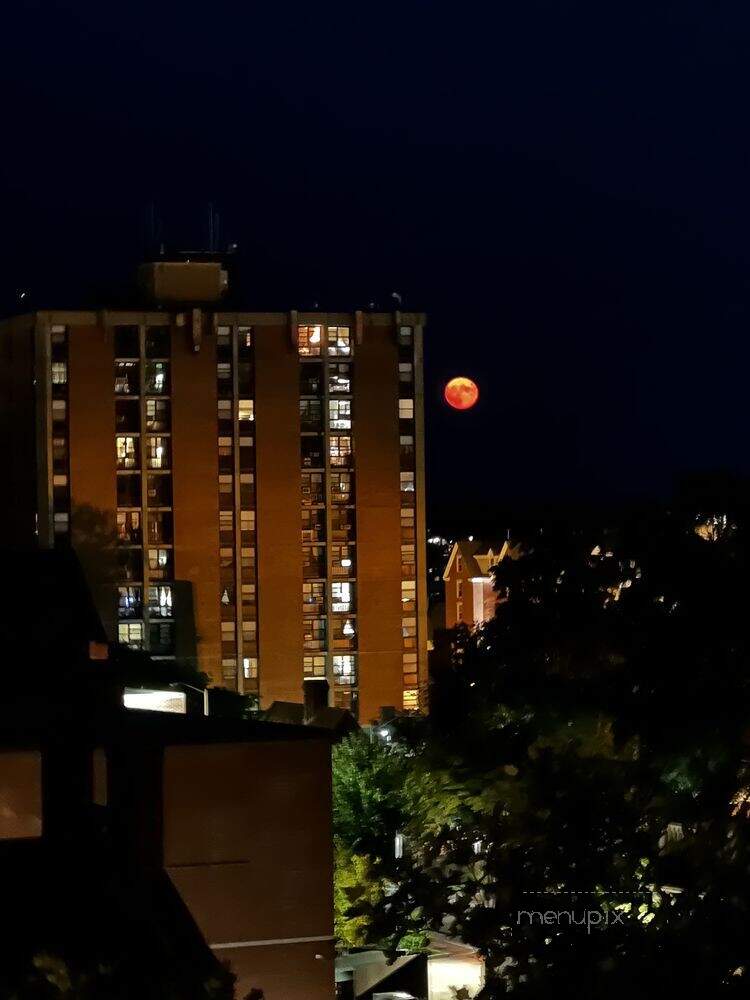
[562, 186]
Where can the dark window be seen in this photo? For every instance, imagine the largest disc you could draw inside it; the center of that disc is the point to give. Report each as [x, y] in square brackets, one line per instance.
[160, 527]
[311, 380]
[128, 415]
[313, 453]
[128, 490]
[127, 342]
[159, 489]
[157, 342]
[130, 563]
[310, 414]
[161, 638]
[126, 378]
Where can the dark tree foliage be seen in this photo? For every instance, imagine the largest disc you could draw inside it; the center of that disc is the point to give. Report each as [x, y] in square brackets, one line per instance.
[585, 754]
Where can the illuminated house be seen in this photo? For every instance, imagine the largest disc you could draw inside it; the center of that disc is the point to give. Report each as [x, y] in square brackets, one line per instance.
[244, 489]
[470, 598]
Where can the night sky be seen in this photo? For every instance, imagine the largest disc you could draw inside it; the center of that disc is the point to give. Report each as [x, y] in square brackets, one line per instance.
[564, 188]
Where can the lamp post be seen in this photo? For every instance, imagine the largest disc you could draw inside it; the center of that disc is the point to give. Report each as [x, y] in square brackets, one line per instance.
[203, 691]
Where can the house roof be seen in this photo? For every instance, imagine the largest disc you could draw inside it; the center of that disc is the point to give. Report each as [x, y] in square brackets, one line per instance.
[480, 556]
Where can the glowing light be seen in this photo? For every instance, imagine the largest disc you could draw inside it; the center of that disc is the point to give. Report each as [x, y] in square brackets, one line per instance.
[461, 393]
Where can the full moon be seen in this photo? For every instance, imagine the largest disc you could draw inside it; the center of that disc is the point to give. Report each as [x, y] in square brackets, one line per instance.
[461, 393]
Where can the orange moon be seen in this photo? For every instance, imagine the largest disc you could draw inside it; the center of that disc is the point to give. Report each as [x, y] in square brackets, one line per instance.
[461, 393]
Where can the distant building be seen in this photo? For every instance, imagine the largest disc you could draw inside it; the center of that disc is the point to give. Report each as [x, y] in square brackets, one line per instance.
[470, 597]
[244, 489]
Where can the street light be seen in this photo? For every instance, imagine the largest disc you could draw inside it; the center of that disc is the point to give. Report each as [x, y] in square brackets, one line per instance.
[203, 691]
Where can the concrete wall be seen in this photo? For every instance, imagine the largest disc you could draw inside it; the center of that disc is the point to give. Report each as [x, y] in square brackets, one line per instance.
[376, 447]
[279, 518]
[195, 485]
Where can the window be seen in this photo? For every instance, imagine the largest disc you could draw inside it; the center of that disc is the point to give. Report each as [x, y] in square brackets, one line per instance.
[340, 414]
[246, 410]
[341, 450]
[160, 601]
[314, 633]
[409, 632]
[250, 668]
[159, 488]
[126, 378]
[157, 452]
[245, 378]
[314, 666]
[312, 452]
[460, 589]
[312, 488]
[314, 598]
[407, 524]
[224, 378]
[223, 336]
[341, 488]
[157, 414]
[411, 701]
[342, 560]
[405, 372]
[407, 559]
[130, 565]
[309, 340]
[160, 527]
[129, 490]
[247, 558]
[226, 484]
[247, 520]
[130, 634]
[407, 482]
[59, 372]
[406, 443]
[127, 342]
[405, 336]
[339, 341]
[313, 525]
[157, 342]
[59, 412]
[310, 415]
[339, 378]
[226, 525]
[61, 522]
[313, 562]
[342, 596]
[160, 564]
[129, 527]
[157, 378]
[161, 638]
[406, 409]
[409, 666]
[127, 415]
[344, 633]
[311, 380]
[459, 564]
[408, 595]
[127, 452]
[244, 337]
[342, 524]
[129, 602]
[344, 669]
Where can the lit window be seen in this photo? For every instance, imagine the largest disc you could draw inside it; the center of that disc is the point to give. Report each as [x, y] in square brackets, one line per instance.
[246, 410]
[129, 602]
[224, 372]
[339, 378]
[411, 701]
[312, 488]
[59, 411]
[126, 378]
[131, 634]
[339, 341]
[344, 670]
[157, 414]
[127, 452]
[406, 409]
[245, 336]
[129, 527]
[313, 597]
[341, 450]
[157, 377]
[160, 563]
[250, 667]
[59, 373]
[157, 452]
[340, 414]
[405, 372]
[341, 487]
[341, 596]
[405, 336]
[409, 664]
[160, 601]
[407, 524]
[247, 520]
[342, 560]
[314, 665]
[225, 446]
[61, 522]
[309, 340]
[314, 633]
[407, 558]
[407, 482]
[226, 481]
[409, 627]
[408, 594]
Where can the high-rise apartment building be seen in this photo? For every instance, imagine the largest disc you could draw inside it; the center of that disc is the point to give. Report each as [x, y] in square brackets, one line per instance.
[244, 489]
